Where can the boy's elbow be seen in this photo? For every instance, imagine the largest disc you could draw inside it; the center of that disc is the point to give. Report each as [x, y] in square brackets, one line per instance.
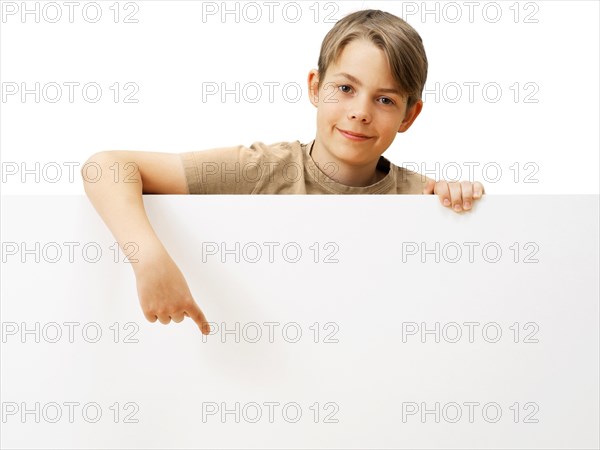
[97, 157]
[92, 167]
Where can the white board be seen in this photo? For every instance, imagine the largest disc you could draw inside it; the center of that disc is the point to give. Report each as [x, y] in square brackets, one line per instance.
[366, 370]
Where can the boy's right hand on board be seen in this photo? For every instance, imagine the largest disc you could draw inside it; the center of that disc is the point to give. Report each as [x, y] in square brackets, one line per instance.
[164, 294]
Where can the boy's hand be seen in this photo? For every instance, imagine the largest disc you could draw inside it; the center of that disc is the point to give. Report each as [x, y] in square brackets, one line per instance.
[456, 195]
[165, 295]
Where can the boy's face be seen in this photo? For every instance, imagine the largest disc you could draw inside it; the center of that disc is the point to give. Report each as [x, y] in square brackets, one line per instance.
[359, 96]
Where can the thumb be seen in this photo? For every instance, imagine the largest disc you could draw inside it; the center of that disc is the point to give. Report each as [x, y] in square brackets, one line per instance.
[429, 187]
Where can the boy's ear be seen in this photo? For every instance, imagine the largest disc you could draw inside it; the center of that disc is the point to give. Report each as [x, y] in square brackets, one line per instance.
[410, 116]
[313, 86]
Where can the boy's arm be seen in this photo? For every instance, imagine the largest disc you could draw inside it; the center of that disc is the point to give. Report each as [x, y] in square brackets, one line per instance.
[115, 184]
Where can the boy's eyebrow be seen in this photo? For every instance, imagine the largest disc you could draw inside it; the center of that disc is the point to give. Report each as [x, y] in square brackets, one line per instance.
[357, 82]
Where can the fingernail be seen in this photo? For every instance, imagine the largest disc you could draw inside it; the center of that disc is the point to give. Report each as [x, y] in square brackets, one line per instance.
[446, 202]
[457, 207]
[467, 205]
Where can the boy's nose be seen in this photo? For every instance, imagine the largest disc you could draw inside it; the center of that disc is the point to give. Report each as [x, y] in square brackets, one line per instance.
[359, 111]
[363, 117]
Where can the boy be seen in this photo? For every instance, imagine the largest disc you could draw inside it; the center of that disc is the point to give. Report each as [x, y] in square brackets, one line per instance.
[368, 87]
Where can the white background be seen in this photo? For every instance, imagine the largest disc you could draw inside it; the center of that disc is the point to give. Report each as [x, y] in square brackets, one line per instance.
[169, 54]
[174, 48]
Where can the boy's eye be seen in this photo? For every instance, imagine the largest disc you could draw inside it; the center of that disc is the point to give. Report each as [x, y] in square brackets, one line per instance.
[346, 89]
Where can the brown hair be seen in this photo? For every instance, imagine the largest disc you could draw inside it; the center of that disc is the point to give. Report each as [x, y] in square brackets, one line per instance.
[399, 41]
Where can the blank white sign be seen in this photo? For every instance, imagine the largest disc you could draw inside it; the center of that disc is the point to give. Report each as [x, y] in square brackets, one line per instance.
[335, 328]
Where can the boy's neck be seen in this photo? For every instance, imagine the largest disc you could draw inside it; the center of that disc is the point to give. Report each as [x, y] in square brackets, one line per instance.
[346, 174]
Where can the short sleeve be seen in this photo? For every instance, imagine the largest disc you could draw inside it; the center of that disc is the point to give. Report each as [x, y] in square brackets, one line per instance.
[226, 170]
[411, 183]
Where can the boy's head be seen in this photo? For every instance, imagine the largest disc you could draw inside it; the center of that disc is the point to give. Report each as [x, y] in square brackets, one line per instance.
[401, 44]
[368, 87]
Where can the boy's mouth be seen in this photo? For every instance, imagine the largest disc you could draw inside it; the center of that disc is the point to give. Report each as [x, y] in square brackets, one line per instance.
[353, 136]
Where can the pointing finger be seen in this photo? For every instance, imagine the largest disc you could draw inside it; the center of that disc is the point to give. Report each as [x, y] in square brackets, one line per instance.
[195, 313]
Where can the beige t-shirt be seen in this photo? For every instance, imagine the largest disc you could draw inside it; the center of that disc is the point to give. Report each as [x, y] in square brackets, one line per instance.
[283, 168]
